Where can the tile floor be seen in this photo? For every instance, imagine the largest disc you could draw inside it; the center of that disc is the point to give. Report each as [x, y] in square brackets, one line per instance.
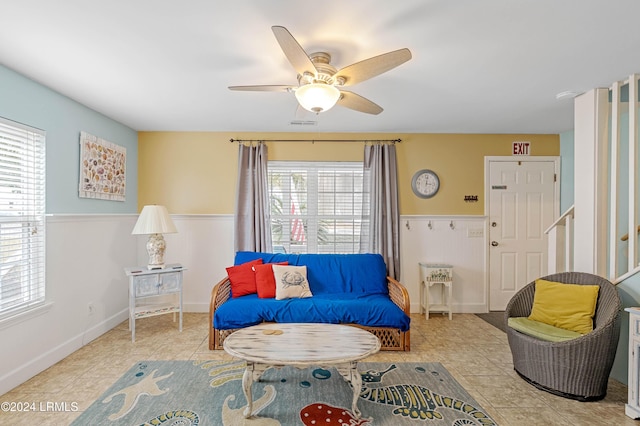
[475, 352]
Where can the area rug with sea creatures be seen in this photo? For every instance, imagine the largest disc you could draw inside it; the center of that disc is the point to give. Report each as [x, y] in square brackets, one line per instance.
[210, 393]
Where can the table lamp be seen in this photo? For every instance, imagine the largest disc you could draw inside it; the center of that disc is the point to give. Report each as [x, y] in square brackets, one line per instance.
[154, 221]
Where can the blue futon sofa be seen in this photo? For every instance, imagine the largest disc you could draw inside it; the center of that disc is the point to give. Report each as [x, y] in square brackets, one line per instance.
[348, 289]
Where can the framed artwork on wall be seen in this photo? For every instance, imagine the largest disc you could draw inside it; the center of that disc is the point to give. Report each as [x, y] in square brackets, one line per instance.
[102, 168]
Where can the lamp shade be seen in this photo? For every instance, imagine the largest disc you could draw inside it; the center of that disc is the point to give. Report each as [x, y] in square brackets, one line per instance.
[154, 219]
[317, 97]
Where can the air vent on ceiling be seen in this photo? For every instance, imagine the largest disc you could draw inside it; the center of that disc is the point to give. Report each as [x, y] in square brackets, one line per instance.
[303, 123]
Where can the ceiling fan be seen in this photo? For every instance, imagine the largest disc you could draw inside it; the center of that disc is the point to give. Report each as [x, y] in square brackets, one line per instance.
[320, 83]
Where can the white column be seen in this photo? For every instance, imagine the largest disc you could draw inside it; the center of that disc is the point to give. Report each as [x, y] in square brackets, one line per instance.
[633, 172]
[615, 159]
[590, 180]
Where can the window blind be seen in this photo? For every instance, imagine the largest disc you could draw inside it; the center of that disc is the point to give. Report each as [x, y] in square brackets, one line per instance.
[22, 217]
[316, 207]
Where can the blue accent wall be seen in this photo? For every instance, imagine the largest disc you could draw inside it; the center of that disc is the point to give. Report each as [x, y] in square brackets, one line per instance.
[629, 291]
[27, 102]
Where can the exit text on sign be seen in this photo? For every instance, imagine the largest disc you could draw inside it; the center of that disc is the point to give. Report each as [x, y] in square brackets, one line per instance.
[521, 148]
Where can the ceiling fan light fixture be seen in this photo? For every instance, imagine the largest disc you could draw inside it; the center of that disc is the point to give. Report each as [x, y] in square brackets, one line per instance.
[317, 97]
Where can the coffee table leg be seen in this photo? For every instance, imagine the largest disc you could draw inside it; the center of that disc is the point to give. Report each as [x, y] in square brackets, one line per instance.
[350, 373]
[247, 381]
[252, 373]
[356, 382]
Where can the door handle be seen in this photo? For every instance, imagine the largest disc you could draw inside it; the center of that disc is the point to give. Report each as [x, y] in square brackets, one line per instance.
[494, 243]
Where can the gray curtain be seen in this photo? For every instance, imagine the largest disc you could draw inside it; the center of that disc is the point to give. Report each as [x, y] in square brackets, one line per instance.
[381, 229]
[252, 219]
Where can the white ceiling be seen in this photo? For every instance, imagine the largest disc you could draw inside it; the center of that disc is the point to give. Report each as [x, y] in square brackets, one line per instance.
[490, 66]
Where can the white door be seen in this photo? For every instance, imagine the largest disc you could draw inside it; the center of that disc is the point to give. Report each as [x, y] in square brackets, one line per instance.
[521, 207]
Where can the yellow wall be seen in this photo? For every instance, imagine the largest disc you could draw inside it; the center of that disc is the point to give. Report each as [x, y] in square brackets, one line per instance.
[195, 172]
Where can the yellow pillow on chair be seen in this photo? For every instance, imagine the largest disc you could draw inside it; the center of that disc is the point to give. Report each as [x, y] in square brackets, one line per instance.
[568, 306]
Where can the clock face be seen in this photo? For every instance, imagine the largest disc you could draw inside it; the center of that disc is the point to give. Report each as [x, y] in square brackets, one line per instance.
[425, 183]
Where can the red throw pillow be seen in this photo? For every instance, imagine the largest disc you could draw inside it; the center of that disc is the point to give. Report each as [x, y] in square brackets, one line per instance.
[243, 279]
[265, 281]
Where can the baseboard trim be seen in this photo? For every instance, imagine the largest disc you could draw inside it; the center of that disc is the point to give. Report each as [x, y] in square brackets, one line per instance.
[196, 307]
[470, 308]
[35, 366]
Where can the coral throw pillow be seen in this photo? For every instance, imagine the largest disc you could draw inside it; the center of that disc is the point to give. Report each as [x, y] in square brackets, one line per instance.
[291, 282]
[265, 281]
[243, 279]
[567, 306]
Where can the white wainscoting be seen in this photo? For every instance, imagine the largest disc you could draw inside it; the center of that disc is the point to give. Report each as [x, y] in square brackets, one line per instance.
[85, 259]
[432, 239]
[203, 245]
[87, 254]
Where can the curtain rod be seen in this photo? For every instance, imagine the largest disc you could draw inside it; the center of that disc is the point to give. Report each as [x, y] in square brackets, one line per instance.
[316, 140]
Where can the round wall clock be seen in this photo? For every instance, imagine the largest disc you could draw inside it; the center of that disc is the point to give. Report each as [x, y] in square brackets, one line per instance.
[425, 183]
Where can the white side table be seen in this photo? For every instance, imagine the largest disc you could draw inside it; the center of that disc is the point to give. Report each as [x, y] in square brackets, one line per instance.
[151, 291]
[632, 408]
[431, 274]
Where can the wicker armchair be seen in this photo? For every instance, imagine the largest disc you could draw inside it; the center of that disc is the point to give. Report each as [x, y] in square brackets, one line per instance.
[579, 368]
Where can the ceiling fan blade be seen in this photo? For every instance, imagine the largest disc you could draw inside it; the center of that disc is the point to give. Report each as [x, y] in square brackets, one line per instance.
[293, 51]
[358, 103]
[364, 70]
[266, 88]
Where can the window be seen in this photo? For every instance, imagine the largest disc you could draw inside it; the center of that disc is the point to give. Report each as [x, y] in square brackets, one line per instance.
[316, 207]
[22, 222]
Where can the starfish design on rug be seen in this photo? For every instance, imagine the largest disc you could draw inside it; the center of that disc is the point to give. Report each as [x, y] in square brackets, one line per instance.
[415, 401]
[146, 386]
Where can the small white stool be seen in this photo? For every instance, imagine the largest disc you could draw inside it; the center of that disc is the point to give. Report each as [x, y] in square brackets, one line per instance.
[431, 274]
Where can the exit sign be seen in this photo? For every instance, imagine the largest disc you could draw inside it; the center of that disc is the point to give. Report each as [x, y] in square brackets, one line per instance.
[521, 148]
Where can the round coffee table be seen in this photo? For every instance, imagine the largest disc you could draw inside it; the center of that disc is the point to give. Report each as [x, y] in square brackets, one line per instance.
[301, 345]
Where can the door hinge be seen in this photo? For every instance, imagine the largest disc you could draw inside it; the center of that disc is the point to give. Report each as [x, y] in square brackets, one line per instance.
[555, 177]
